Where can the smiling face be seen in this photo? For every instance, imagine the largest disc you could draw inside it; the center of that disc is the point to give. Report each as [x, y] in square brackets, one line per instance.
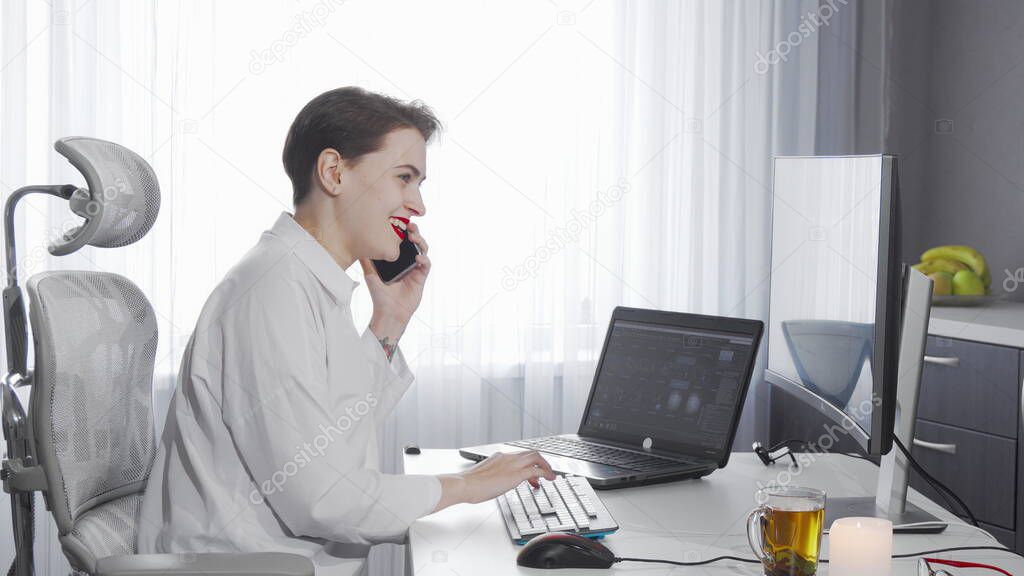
[380, 193]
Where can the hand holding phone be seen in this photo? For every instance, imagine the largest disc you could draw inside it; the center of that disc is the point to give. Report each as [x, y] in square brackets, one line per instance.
[393, 271]
[396, 288]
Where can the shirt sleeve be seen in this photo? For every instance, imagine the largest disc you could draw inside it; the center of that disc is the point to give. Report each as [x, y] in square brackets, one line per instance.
[305, 449]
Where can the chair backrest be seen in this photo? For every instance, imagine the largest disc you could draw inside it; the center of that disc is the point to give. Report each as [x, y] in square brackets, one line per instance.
[95, 339]
[829, 355]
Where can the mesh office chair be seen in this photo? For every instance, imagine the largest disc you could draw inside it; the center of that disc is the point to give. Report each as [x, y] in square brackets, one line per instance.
[829, 355]
[87, 441]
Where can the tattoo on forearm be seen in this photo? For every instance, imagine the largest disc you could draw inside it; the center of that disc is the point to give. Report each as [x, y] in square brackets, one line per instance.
[388, 346]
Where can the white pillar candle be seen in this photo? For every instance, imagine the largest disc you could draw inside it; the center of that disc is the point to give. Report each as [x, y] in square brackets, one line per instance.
[860, 546]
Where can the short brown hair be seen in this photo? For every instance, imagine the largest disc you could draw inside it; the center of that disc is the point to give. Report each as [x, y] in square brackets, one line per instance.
[352, 121]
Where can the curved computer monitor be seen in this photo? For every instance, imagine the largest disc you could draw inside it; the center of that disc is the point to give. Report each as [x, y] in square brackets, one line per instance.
[834, 304]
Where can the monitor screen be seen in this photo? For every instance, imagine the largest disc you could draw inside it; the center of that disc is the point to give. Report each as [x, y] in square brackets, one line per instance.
[827, 278]
[672, 383]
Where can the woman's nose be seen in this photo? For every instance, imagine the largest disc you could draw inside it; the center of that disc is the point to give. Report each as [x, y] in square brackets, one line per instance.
[416, 205]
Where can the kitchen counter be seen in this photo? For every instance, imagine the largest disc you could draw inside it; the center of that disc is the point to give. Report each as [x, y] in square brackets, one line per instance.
[1001, 323]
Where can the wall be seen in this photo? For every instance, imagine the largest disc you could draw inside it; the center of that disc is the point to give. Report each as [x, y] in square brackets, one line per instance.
[908, 122]
[958, 89]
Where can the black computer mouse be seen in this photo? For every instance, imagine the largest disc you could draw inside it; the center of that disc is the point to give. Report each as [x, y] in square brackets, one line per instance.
[558, 550]
[412, 449]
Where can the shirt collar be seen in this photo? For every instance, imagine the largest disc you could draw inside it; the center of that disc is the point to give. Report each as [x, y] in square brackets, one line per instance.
[315, 257]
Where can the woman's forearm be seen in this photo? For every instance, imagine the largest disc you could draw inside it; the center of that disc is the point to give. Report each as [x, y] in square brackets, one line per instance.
[388, 331]
[453, 488]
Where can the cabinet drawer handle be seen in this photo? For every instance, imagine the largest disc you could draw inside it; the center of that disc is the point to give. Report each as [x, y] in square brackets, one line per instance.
[951, 361]
[947, 448]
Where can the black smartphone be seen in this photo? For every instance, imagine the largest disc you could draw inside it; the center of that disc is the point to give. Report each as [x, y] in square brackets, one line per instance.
[393, 271]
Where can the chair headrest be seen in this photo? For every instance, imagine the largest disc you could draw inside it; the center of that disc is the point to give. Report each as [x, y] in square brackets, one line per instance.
[122, 198]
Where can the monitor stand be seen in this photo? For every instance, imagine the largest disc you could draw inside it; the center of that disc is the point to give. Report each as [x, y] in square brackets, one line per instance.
[890, 500]
[913, 519]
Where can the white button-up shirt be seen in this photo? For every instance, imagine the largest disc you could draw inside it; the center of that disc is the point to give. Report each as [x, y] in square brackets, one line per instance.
[269, 442]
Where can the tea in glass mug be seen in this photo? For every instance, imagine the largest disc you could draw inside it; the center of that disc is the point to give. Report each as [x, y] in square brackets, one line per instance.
[785, 530]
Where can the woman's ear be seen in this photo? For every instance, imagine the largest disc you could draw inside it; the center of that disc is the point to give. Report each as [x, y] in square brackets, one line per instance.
[329, 168]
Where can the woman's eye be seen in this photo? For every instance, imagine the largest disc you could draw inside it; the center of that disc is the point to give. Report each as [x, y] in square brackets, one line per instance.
[406, 177]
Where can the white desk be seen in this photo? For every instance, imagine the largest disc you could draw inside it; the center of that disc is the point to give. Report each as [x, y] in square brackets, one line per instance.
[689, 520]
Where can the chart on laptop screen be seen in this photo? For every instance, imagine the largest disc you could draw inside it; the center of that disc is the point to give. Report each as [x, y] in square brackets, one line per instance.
[670, 383]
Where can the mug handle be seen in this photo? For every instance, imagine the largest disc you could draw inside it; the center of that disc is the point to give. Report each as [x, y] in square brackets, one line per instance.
[754, 537]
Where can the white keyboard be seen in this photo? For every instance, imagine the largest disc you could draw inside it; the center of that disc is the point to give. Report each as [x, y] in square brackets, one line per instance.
[567, 504]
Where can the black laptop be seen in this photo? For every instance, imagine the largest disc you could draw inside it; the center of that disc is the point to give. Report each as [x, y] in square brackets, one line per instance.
[665, 403]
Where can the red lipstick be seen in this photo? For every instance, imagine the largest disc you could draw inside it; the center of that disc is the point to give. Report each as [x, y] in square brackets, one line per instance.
[399, 231]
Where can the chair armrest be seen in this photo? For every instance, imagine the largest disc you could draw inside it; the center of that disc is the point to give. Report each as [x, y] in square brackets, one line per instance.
[212, 564]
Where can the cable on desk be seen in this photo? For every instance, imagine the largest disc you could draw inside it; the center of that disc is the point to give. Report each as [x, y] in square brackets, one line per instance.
[667, 533]
[765, 454]
[820, 561]
[695, 563]
[804, 445]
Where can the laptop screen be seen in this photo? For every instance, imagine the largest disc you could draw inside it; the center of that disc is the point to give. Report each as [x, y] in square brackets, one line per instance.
[673, 384]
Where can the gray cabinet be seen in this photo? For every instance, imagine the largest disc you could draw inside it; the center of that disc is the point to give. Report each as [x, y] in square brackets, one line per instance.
[978, 394]
[982, 472]
[975, 407]
[1019, 490]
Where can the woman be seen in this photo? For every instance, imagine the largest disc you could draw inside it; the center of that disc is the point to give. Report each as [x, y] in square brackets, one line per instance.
[269, 441]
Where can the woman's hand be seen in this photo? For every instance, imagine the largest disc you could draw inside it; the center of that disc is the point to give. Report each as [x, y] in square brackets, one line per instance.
[395, 303]
[492, 477]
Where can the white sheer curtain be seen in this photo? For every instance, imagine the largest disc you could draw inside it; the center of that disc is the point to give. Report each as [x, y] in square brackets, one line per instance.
[595, 154]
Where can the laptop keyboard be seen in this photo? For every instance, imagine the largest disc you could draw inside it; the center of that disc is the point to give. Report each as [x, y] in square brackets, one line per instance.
[599, 453]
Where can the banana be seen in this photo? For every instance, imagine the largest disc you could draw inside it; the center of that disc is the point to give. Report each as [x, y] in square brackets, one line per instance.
[941, 265]
[965, 254]
[947, 265]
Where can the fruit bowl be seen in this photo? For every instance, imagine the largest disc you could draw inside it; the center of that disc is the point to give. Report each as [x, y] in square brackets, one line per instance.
[960, 275]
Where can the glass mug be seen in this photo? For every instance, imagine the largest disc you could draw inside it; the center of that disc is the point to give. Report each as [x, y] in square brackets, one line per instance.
[785, 530]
